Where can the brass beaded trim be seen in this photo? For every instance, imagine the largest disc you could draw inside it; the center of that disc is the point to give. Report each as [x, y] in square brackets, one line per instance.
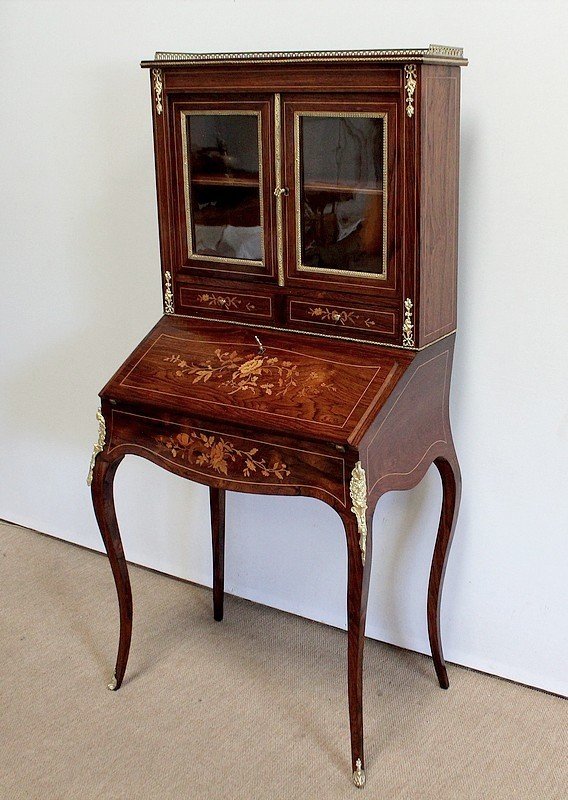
[311, 333]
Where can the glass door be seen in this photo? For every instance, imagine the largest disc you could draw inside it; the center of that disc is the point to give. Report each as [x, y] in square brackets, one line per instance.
[226, 191]
[339, 224]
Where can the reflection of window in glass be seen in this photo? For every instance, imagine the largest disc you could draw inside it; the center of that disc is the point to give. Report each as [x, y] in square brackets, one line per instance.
[341, 186]
[223, 185]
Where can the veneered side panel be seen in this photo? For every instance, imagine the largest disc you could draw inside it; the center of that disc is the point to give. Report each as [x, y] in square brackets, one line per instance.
[440, 93]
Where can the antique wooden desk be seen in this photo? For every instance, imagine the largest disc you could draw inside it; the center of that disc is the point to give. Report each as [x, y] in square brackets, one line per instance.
[308, 229]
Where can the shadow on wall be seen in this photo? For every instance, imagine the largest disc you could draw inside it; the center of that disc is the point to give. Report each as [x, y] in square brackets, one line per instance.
[95, 292]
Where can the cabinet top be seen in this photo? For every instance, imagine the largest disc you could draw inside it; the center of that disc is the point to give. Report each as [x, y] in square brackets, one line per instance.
[433, 54]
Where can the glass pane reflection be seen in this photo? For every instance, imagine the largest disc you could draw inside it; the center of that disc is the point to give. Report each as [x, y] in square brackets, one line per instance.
[224, 185]
[341, 192]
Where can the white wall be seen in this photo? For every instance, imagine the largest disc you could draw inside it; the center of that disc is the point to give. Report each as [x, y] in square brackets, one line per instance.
[80, 268]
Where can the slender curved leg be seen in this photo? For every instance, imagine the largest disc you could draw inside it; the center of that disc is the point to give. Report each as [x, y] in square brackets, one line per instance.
[357, 594]
[217, 502]
[449, 470]
[103, 502]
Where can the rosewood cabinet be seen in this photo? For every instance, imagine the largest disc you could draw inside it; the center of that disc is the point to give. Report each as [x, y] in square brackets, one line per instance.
[307, 208]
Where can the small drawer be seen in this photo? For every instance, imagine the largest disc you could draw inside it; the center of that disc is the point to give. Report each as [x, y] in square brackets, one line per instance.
[343, 318]
[215, 456]
[217, 302]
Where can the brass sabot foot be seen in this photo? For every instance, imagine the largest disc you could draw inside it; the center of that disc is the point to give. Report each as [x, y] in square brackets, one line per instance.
[112, 685]
[359, 775]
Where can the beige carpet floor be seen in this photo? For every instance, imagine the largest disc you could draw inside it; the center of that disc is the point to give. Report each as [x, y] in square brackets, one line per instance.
[252, 708]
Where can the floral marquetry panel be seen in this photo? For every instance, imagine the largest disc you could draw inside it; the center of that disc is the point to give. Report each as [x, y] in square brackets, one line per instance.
[340, 318]
[259, 377]
[232, 304]
[247, 463]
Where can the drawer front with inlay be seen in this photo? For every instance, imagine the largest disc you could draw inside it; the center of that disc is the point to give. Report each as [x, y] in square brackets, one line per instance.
[220, 302]
[252, 463]
[343, 319]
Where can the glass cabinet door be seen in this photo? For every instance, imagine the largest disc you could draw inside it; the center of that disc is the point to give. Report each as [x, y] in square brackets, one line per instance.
[341, 191]
[225, 192]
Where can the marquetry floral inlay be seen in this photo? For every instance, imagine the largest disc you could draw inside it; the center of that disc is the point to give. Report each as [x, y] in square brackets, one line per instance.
[224, 301]
[253, 373]
[339, 317]
[219, 455]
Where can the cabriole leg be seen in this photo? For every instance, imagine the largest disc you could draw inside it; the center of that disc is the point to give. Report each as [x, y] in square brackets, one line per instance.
[449, 470]
[217, 502]
[358, 571]
[103, 502]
